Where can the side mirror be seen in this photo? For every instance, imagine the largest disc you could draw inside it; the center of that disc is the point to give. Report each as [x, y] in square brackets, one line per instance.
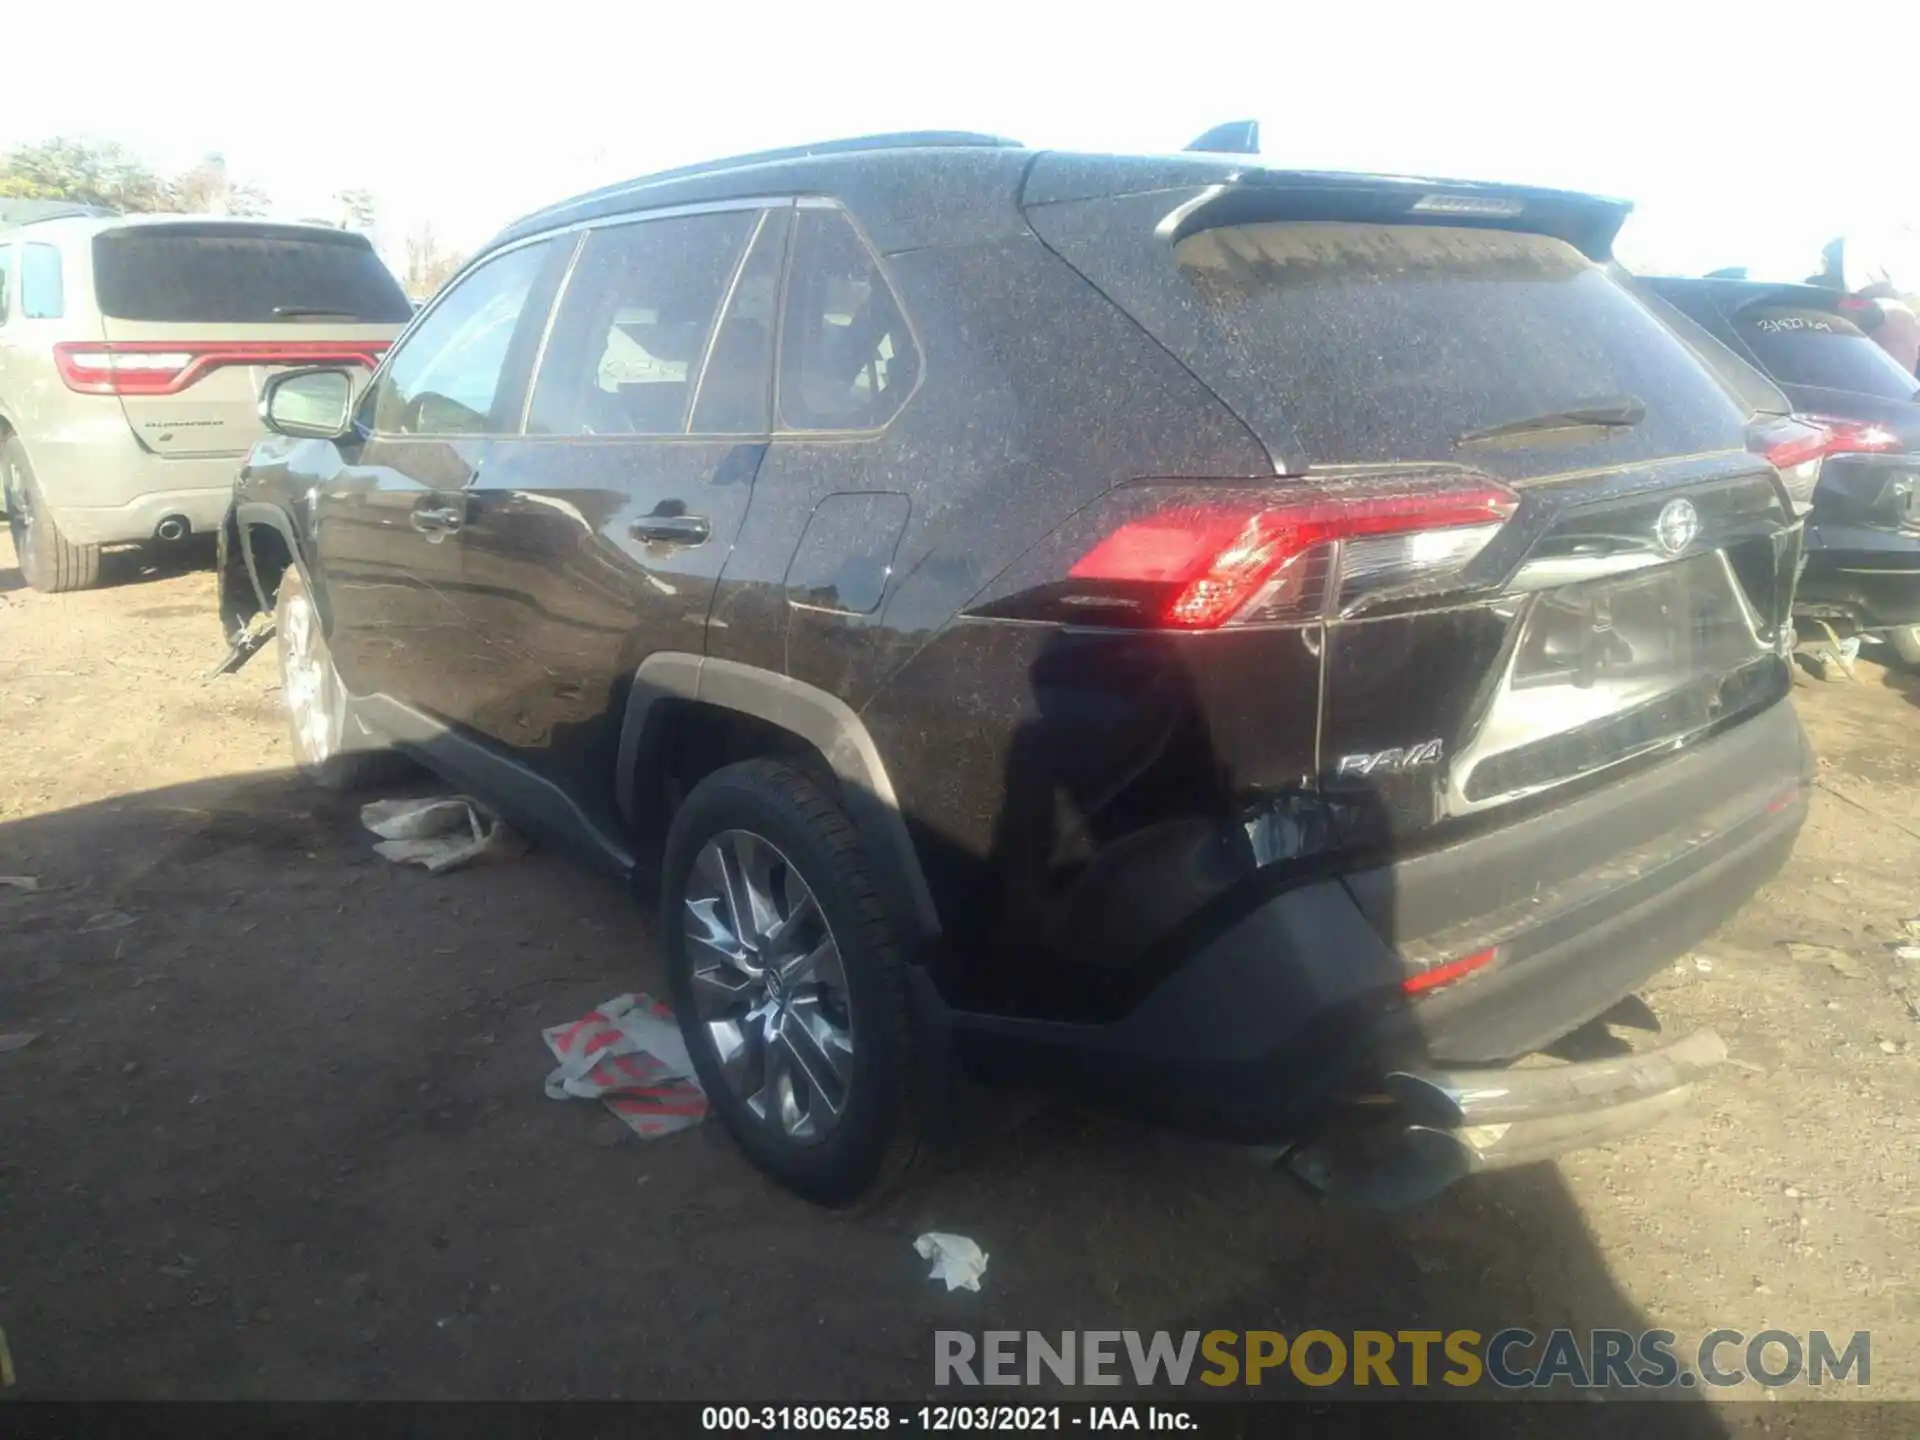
[312, 404]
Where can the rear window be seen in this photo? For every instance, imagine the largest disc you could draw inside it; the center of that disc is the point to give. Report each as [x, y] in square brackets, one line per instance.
[1811, 347]
[1363, 343]
[230, 276]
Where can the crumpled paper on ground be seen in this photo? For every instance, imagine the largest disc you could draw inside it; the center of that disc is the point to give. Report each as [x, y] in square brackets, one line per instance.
[956, 1259]
[629, 1055]
[441, 832]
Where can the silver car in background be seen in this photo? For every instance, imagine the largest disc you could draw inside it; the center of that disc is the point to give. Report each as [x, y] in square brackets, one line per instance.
[133, 350]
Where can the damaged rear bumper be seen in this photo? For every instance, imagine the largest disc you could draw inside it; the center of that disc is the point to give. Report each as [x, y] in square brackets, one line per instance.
[1447, 1124]
[1289, 1031]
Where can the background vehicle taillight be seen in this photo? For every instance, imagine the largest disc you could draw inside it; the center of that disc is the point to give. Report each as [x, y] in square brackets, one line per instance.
[162, 367]
[1796, 446]
[1864, 313]
[1185, 556]
[101, 370]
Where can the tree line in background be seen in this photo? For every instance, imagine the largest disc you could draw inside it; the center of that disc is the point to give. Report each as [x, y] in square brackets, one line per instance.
[92, 172]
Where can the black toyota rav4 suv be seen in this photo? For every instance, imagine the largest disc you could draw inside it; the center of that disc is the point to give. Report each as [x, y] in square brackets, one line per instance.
[1860, 453]
[1270, 647]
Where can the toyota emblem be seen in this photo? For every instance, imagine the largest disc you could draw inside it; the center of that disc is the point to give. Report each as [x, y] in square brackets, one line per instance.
[1677, 527]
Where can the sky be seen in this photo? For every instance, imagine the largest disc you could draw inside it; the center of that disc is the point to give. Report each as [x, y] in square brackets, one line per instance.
[1739, 145]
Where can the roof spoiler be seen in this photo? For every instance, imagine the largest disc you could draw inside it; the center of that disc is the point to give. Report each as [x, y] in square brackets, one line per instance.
[1586, 222]
[1225, 190]
[1236, 137]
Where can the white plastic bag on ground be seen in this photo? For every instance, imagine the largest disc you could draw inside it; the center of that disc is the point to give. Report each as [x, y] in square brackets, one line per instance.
[441, 832]
[956, 1259]
[628, 1054]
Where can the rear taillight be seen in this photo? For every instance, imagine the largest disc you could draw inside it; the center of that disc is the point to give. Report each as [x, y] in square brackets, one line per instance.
[1855, 436]
[1190, 557]
[166, 367]
[1796, 445]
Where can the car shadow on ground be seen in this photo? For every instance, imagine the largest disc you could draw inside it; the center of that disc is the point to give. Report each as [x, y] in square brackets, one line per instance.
[282, 1134]
[129, 565]
[1891, 674]
[142, 564]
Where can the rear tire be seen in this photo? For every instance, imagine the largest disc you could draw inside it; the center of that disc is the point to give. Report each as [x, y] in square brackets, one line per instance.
[318, 726]
[49, 562]
[796, 1017]
[1906, 643]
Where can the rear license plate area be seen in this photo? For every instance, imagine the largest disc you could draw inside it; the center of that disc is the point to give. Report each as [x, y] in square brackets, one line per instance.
[1610, 668]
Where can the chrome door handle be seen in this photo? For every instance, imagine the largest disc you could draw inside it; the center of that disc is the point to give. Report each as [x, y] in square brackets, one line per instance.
[440, 520]
[671, 529]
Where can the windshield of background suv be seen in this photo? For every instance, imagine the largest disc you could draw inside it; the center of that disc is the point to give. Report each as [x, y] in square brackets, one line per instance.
[1811, 347]
[1366, 343]
[230, 275]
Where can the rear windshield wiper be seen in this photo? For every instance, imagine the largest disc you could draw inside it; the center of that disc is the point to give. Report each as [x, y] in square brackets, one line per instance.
[318, 312]
[1618, 412]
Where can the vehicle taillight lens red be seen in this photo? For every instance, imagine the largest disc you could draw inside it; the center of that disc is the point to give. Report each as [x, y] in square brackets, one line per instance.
[1213, 559]
[1797, 445]
[1214, 556]
[1812, 437]
[1791, 443]
[1854, 436]
[166, 367]
[1446, 972]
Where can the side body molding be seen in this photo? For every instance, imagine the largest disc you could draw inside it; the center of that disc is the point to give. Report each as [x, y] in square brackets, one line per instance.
[821, 719]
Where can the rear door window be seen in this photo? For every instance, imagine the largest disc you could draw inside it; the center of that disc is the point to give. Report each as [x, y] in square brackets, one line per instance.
[6, 275]
[42, 290]
[242, 275]
[736, 388]
[1812, 347]
[634, 324]
[847, 358]
[1363, 343]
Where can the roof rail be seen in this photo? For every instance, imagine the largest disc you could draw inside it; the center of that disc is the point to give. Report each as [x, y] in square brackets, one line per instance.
[27, 212]
[893, 140]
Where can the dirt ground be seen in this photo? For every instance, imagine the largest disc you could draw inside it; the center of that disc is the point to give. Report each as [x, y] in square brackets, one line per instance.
[282, 1132]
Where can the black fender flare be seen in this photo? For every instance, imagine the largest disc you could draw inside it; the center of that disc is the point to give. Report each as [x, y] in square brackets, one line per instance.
[822, 720]
[249, 513]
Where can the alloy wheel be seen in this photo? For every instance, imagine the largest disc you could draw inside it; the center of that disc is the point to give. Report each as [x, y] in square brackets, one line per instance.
[769, 987]
[19, 508]
[306, 681]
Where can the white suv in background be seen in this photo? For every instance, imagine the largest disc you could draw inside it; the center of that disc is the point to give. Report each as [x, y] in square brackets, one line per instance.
[132, 353]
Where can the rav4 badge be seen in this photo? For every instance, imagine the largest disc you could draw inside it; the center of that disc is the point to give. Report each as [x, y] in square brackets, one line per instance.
[1392, 762]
